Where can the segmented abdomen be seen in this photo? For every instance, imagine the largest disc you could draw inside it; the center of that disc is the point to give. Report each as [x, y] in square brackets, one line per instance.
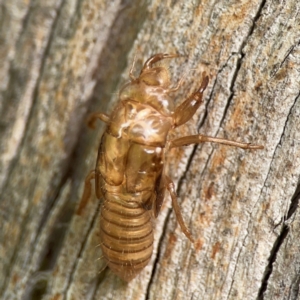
[126, 236]
[128, 172]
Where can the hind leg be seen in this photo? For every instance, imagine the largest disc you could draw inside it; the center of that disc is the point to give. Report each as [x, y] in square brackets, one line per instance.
[171, 188]
[86, 192]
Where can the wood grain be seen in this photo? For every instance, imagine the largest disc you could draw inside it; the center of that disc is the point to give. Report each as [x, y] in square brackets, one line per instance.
[61, 60]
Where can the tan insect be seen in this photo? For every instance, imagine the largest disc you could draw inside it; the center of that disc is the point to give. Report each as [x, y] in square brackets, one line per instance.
[129, 174]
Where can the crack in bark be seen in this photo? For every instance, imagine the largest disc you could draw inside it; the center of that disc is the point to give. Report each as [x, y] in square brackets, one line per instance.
[155, 263]
[14, 161]
[82, 248]
[245, 237]
[170, 210]
[180, 183]
[117, 25]
[187, 168]
[184, 175]
[294, 289]
[236, 264]
[37, 282]
[166, 222]
[286, 57]
[238, 66]
[108, 57]
[294, 203]
[235, 74]
[269, 268]
[274, 72]
[67, 166]
[285, 229]
[242, 55]
[256, 17]
[233, 80]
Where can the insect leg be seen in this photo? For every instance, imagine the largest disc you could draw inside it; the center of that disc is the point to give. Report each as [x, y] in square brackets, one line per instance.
[157, 57]
[188, 107]
[105, 264]
[199, 138]
[171, 188]
[91, 122]
[131, 69]
[160, 195]
[179, 84]
[86, 192]
[102, 269]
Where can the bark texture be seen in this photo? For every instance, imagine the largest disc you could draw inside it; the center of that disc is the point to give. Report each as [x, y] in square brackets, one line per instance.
[61, 59]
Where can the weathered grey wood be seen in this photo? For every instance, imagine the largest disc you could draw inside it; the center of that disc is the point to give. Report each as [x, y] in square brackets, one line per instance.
[60, 59]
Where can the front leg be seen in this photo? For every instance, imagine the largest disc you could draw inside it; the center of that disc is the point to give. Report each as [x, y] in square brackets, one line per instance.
[187, 109]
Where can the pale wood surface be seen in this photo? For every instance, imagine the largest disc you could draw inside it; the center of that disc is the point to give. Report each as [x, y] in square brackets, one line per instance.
[60, 60]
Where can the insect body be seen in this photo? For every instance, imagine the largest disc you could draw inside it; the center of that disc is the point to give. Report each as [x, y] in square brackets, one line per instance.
[129, 174]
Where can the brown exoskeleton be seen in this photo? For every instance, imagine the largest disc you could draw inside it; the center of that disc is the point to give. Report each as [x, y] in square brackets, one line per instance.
[129, 174]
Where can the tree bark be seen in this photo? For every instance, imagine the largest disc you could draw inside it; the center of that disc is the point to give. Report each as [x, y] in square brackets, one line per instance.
[62, 59]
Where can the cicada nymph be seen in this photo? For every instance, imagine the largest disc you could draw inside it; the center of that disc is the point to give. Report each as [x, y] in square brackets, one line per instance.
[129, 174]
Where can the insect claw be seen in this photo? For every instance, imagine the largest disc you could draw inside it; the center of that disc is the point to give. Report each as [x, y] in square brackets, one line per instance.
[252, 146]
[204, 83]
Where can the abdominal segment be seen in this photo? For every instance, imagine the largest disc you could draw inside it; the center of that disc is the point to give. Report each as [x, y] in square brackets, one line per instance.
[126, 236]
